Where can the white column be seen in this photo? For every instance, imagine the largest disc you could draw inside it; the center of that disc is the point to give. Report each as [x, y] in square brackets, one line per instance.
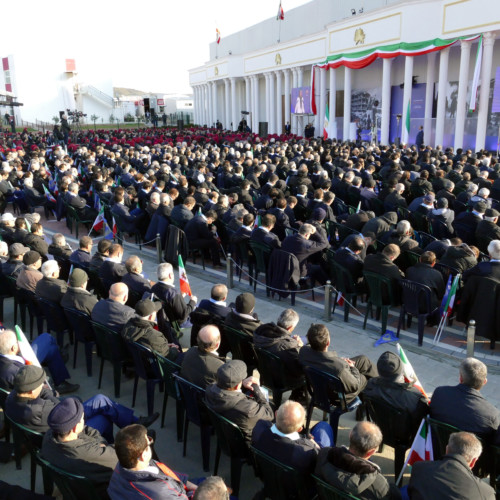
[268, 102]
[302, 118]
[286, 73]
[195, 103]
[408, 82]
[463, 80]
[203, 104]
[234, 109]
[248, 102]
[272, 104]
[295, 121]
[227, 114]
[322, 101]
[215, 88]
[210, 105]
[484, 97]
[199, 105]
[386, 101]
[333, 100]
[429, 96]
[256, 81]
[347, 102]
[441, 104]
[279, 106]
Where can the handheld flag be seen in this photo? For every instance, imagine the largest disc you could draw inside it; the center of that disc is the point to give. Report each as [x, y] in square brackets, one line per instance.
[257, 221]
[99, 222]
[25, 348]
[28, 225]
[327, 121]
[477, 73]
[450, 299]
[407, 123]
[183, 279]
[217, 36]
[408, 371]
[48, 195]
[340, 299]
[281, 13]
[109, 234]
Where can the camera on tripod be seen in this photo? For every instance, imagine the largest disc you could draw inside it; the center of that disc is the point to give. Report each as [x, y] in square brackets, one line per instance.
[75, 115]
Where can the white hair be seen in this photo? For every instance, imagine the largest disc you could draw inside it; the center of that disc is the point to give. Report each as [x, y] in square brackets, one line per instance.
[49, 268]
[494, 249]
[164, 271]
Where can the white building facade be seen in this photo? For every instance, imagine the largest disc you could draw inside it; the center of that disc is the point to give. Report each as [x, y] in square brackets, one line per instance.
[382, 73]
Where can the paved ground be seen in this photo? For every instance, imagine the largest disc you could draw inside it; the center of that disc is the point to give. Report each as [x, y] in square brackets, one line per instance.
[435, 367]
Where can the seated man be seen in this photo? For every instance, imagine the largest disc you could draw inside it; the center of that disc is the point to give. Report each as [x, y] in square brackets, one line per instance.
[451, 478]
[137, 475]
[463, 406]
[226, 398]
[134, 278]
[242, 317]
[81, 256]
[15, 263]
[201, 362]
[101, 255]
[390, 388]
[263, 234]
[112, 270]
[48, 354]
[350, 469]
[491, 268]
[200, 236]
[77, 296]
[36, 241]
[349, 257]
[213, 488]
[130, 222]
[50, 287]
[140, 328]
[77, 448]
[353, 372]
[174, 306]
[401, 236]
[20, 231]
[112, 312]
[59, 247]
[31, 402]
[79, 204]
[182, 214]
[30, 275]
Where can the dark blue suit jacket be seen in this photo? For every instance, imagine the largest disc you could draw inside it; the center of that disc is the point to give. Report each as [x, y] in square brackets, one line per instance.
[261, 236]
[128, 220]
[303, 248]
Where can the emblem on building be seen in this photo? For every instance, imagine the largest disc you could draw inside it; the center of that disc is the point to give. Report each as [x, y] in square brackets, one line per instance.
[216, 71]
[277, 59]
[359, 36]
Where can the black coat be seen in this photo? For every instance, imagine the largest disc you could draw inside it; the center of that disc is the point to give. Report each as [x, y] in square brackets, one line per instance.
[303, 248]
[111, 272]
[426, 275]
[37, 243]
[136, 283]
[261, 236]
[176, 307]
[181, 215]
[52, 289]
[243, 322]
[351, 262]
[112, 314]
[80, 299]
[200, 367]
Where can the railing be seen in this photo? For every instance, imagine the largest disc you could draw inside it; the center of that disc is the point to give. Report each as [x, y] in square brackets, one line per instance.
[94, 92]
[37, 125]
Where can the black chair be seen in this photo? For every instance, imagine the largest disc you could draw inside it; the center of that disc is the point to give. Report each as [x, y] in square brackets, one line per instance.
[3, 396]
[5, 292]
[243, 256]
[464, 232]
[13, 291]
[192, 398]
[381, 295]
[407, 259]
[273, 375]
[96, 284]
[241, 347]
[73, 218]
[56, 319]
[30, 301]
[281, 482]
[328, 394]
[133, 298]
[328, 492]
[423, 238]
[420, 222]
[262, 253]
[446, 270]
[64, 267]
[415, 301]
[344, 284]
[146, 367]
[276, 276]
[440, 229]
[231, 442]
[82, 329]
[495, 468]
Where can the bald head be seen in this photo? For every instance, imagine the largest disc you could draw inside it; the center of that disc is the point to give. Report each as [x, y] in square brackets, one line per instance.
[119, 292]
[290, 417]
[219, 292]
[209, 338]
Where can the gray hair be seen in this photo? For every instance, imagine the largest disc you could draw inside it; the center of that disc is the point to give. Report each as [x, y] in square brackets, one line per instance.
[288, 318]
[164, 270]
[59, 239]
[306, 229]
[28, 181]
[49, 268]
[403, 227]
[213, 488]
[483, 192]
[465, 444]
[73, 187]
[400, 188]
[494, 249]
[164, 199]
[365, 436]
[473, 373]
[290, 417]
[155, 197]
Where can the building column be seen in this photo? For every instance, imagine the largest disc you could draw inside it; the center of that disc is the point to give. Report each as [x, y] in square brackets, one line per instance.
[429, 96]
[347, 102]
[268, 102]
[484, 97]
[256, 103]
[295, 121]
[441, 104]
[195, 104]
[463, 80]
[209, 103]
[272, 104]
[227, 107]
[234, 110]
[203, 105]
[322, 101]
[248, 102]
[286, 73]
[215, 88]
[386, 102]
[279, 106]
[333, 100]
[301, 118]
[408, 83]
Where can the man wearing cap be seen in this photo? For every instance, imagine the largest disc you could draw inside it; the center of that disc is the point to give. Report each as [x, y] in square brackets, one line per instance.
[226, 397]
[36, 241]
[427, 205]
[29, 275]
[113, 311]
[391, 389]
[488, 229]
[77, 296]
[242, 316]
[140, 328]
[15, 263]
[47, 352]
[50, 287]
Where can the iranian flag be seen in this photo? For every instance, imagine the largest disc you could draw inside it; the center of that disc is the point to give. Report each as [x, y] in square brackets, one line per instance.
[25, 348]
[183, 279]
[48, 195]
[449, 298]
[109, 234]
[257, 222]
[99, 222]
[408, 371]
[217, 36]
[281, 13]
[477, 73]
[326, 124]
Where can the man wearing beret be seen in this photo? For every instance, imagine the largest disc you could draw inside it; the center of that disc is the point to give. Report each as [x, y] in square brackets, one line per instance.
[30, 275]
[77, 448]
[30, 404]
[226, 397]
[77, 296]
[15, 263]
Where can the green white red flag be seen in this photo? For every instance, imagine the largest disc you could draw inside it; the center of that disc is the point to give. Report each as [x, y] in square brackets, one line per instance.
[408, 371]
[327, 123]
[25, 348]
[477, 73]
[99, 222]
[183, 279]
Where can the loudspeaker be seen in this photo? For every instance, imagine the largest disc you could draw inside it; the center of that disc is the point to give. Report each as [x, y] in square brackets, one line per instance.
[146, 104]
[61, 113]
[180, 124]
[263, 129]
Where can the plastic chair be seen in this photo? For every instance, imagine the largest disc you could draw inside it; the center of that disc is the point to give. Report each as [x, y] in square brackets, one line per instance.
[96, 284]
[133, 298]
[121, 231]
[415, 297]
[192, 398]
[495, 467]
[243, 257]
[423, 238]
[241, 347]
[13, 290]
[464, 232]
[110, 347]
[344, 283]
[439, 229]
[64, 267]
[328, 492]
[420, 222]
[30, 301]
[273, 375]
[3, 396]
[327, 394]
[231, 442]
[281, 482]
[56, 319]
[381, 296]
[262, 253]
[83, 332]
[146, 367]
[73, 216]
[406, 259]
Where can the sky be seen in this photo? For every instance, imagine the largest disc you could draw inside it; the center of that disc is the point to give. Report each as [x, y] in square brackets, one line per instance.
[146, 45]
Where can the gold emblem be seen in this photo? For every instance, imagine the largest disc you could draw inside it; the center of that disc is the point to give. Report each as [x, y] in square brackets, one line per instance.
[277, 59]
[359, 36]
[216, 71]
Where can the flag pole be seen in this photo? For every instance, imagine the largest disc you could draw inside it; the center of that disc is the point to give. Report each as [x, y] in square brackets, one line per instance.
[279, 31]
[410, 452]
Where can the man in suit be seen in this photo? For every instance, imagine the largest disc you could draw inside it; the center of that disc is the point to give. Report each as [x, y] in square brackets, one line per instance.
[488, 228]
[134, 278]
[79, 204]
[489, 269]
[77, 296]
[112, 270]
[451, 478]
[263, 234]
[32, 196]
[129, 222]
[200, 236]
[50, 287]
[282, 220]
[466, 223]
[381, 224]
[349, 257]
[182, 214]
[112, 312]
[30, 275]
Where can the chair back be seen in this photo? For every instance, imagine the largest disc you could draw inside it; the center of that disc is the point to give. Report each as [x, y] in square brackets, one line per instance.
[420, 222]
[465, 232]
[80, 323]
[192, 396]
[344, 231]
[343, 279]
[446, 270]
[380, 288]
[54, 314]
[23, 435]
[424, 238]
[145, 361]
[168, 369]
[95, 283]
[262, 253]
[323, 385]
[416, 297]
[281, 482]
[133, 298]
[440, 229]
[241, 346]
[110, 344]
[328, 492]
[64, 267]
[406, 259]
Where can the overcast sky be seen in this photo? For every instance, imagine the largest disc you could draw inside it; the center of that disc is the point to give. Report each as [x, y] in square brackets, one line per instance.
[143, 44]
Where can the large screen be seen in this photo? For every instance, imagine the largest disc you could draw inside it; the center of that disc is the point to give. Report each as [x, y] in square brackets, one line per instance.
[301, 101]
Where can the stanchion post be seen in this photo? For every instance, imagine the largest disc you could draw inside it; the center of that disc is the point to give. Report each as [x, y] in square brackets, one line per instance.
[229, 270]
[471, 335]
[328, 301]
[158, 248]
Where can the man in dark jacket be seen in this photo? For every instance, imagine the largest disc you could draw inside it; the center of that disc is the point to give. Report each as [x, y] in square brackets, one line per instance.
[349, 257]
[381, 224]
[225, 397]
[59, 247]
[112, 312]
[490, 269]
[451, 478]
[77, 296]
[101, 255]
[112, 270]
[242, 317]
[263, 234]
[134, 279]
[140, 328]
[200, 236]
[36, 241]
[201, 362]
[81, 256]
[350, 469]
[50, 287]
[15, 263]
[182, 214]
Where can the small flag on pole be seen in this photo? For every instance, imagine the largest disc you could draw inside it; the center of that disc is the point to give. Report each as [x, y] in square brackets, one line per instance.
[281, 13]
[99, 222]
[217, 36]
[257, 222]
[327, 122]
[450, 299]
[183, 279]
[48, 195]
[25, 348]
[408, 371]
[70, 273]
[358, 208]
[477, 74]
[340, 299]
[28, 225]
